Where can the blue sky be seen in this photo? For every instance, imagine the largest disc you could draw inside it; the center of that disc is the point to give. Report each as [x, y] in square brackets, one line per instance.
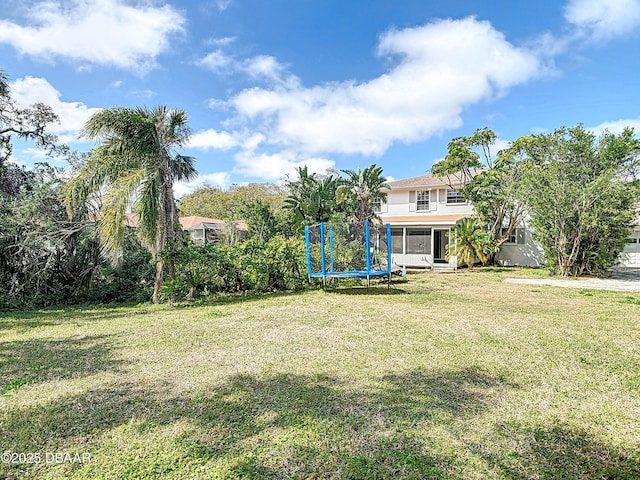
[272, 85]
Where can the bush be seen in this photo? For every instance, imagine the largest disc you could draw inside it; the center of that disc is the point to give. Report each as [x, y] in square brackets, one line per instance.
[131, 281]
[251, 266]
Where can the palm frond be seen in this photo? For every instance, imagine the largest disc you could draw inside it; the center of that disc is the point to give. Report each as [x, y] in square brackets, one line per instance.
[111, 226]
[97, 171]
[148, 209]
[183, 168]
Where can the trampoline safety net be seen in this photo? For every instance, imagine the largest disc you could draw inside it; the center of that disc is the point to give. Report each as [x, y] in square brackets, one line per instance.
[348, 250]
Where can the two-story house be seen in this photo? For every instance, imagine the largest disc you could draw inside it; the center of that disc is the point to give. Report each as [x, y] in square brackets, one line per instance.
[423, 210]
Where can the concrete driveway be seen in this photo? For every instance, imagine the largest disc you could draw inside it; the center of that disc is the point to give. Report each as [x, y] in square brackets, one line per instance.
[622, 279]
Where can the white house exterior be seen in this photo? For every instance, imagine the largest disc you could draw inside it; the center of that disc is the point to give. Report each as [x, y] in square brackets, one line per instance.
[630, 256]
[423, 210]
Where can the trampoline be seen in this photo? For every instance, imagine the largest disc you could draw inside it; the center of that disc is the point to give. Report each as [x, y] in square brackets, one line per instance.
[340, 251]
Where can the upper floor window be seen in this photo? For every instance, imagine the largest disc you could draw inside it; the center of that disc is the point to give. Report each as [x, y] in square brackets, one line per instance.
[422, 202]
[377, 204]
[454, 196]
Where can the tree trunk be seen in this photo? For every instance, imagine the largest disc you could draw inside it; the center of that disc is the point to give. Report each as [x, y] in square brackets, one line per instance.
[166, 236]
[158, 282]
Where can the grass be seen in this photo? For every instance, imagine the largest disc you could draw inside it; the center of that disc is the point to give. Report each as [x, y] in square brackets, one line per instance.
[454, 376]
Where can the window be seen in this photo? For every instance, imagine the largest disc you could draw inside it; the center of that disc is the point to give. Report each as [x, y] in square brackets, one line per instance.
[397, 241]
[632, 241]
[512, 238]
[454, 196]
[418, 241]
[515, 238]
[423, 200]
[377, 204]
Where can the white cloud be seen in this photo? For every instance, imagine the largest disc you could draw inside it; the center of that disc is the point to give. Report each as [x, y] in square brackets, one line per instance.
[216, 61]
[603, 19]
[220, 179]
[213, 139]
[500, 144]
[442, 67]
[97, 32]
[29, 90]
[146, 93]
[221, 41]
[217, 104]
[617, 126]
[261, 67]
[222, 5]
[264, 66]
[274, 166]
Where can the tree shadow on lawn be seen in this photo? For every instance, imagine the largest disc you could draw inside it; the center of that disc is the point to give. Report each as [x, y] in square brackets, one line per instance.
[301, 426]
[32, 361]
[25, 320]
[559, 451]
[364, 291]
[331, 429]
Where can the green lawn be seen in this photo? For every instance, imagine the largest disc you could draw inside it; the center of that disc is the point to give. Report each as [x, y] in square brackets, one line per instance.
[445, 376]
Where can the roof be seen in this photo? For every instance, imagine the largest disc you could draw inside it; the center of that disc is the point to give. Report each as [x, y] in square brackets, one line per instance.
[215, 225]
[133, 220]
[206, 226]
[191, 221]
[241, 225]
[428, 180]
[425, 219]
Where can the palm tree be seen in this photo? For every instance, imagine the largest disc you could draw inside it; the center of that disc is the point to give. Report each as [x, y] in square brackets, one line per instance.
[312, 198]
[135, 165]
[470, 240]
[359, 189]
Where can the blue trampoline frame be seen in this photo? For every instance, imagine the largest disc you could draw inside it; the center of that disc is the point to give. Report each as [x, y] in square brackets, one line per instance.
[328, 273]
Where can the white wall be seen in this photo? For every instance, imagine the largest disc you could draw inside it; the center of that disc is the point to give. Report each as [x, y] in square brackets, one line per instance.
[529, 253]
[630, 256]
[398, 204]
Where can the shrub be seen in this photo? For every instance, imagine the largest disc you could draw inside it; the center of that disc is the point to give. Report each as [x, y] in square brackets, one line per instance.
[251, 266]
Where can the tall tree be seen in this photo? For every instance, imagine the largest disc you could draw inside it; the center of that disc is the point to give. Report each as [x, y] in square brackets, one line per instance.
[215, 202]
[583, 192]
[492, 184]
[45, 257]
[28, 123]
[359, 189]
[312, 197]
[135, 164]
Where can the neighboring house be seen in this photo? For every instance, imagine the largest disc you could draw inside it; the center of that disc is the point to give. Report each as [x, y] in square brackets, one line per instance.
[423, 210]
[210, 230]
[201, 229]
